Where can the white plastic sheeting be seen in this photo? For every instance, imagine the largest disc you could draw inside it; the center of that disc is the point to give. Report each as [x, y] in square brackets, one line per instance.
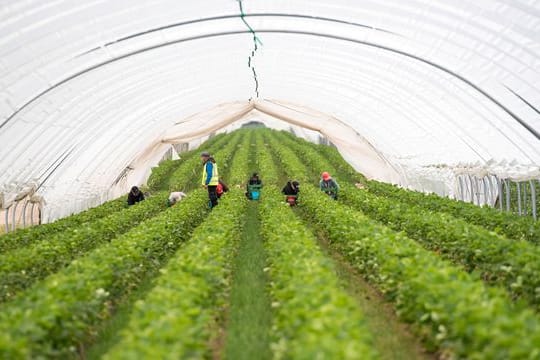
[89, 89]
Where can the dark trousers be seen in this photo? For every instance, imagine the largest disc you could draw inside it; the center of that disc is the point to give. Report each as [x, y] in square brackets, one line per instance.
[212, 195]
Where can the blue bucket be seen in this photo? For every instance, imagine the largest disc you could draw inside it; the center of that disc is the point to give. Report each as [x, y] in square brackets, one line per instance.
[255, 195]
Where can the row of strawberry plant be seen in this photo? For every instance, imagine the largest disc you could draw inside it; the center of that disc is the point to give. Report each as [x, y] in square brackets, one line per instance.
[332, 156]
[205, 264]
[239, 168]
[314, 161]
[159, 178]
[189, 172]
[22, 267]
[287, 159]
[265, 161]
[160, 175]
[56, 316]
[510, 225]
[174, 321]
[24, 237]
[313, 316]
[453, 316]
[451, 309]
[514, 265]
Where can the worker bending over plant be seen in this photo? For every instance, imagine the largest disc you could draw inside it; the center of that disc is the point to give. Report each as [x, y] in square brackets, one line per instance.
[291, 190]
[253, 187]
[135, 196]
[329, 185]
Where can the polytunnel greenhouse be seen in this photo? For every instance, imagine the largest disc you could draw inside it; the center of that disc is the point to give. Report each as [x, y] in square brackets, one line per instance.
[243, 179]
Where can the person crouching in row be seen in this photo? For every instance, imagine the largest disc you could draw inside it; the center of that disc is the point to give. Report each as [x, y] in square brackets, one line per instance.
[175, 197]
[253, 187]
[328, 185]
[135, 195]
[291, 190]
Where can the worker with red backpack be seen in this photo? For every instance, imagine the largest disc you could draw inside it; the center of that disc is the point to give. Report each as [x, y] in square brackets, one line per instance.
[221, 188]
[291, 190]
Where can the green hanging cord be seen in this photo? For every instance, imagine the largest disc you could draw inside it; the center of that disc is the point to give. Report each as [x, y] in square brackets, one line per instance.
[255, 48]
[242, 16]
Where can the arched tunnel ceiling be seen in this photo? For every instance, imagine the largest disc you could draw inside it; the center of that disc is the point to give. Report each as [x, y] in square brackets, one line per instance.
[89, 87]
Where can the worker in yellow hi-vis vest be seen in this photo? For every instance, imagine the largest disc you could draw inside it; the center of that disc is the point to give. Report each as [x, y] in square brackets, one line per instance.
[210, 177]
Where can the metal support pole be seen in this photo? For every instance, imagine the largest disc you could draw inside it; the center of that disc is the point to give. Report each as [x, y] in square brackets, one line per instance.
[477, 190]
[470, 186]
[14, 216]
[24, 214]
[525, 199]
[487, 190]
[519, 196]
[460, 187]
[7, 219]
[500, 188]
[32, 214]
[507, 188]
[494, 186]
[533, 199]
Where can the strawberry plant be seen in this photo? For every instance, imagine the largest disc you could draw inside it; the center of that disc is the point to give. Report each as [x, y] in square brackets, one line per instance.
[450, 309]
[159, 178]
[265, 161]
[25, 237]
[58, 314]
[313, 317]
[504, 223]
[20, 268]
[514, 265]
[173, 321]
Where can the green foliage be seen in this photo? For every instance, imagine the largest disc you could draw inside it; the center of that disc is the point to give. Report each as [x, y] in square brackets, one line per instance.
[159, 178]
[173, 321]
[24, 237]
[20, 268]
[314, 160]
[249, 311]
[239, 168]
[451, 310]
[329, 157]
[321, 157]
[189, 173]
[265, 162]
[504, 223]
[54, 317]
[289, 161]
[160, 174]
[515, 265]
[313, 317]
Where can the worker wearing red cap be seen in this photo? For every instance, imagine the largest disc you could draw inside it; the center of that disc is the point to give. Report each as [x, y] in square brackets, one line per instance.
[329, 185]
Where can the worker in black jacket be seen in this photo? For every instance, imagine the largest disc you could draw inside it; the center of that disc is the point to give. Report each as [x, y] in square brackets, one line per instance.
[291, 190]
[135, 196]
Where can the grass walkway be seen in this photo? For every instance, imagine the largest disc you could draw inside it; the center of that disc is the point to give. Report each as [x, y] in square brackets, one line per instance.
[250, 313]
[249, 316]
